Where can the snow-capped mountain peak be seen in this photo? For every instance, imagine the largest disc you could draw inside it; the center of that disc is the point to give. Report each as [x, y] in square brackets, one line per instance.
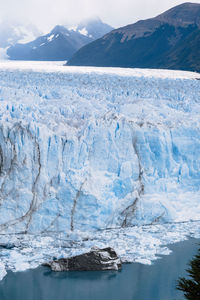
[60, 43]
[93, 28]
[84, 32]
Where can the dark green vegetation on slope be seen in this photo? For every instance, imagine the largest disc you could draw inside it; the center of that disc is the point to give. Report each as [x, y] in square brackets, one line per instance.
[191, 286]
[171, 41]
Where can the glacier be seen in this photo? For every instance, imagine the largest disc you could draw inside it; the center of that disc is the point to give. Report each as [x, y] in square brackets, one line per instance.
[87, 149]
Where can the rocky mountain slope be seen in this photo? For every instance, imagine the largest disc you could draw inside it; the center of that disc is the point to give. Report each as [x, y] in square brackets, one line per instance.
[170, 40]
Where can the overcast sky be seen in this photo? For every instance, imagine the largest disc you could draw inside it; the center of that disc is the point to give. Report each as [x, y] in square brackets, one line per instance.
[47, 13]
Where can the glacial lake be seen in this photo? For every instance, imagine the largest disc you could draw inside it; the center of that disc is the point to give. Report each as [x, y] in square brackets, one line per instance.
[134, 282]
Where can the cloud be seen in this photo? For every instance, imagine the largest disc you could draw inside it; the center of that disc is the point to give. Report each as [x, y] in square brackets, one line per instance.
[47, 13]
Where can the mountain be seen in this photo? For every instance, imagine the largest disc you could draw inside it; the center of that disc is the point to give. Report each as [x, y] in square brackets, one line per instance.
[61, 43]
[93, 28]
[170, 40]
[12, 33]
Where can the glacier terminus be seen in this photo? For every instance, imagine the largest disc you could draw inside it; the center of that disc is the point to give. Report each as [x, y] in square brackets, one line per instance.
[86, 150]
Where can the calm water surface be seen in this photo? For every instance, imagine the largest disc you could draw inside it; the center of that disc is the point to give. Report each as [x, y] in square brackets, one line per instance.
[134, 282]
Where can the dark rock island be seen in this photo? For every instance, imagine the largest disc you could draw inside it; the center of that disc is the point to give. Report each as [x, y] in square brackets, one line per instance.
[95, 260]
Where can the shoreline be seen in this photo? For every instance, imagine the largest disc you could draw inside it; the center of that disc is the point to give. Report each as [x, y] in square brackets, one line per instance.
[159, 278]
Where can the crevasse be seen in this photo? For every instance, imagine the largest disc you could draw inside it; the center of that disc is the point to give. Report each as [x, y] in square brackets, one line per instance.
[94, 150]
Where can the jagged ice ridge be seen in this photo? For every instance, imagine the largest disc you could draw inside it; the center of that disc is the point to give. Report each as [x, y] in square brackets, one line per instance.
[90, 150]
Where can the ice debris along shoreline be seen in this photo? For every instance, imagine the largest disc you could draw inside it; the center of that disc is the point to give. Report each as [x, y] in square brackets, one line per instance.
[140, 244]
[97, 150]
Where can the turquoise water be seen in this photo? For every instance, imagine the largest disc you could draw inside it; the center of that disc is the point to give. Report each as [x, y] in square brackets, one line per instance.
[134, 282]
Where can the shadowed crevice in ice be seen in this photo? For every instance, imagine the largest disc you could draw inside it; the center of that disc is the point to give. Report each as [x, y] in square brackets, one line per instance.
[95, 148]
[96, 157]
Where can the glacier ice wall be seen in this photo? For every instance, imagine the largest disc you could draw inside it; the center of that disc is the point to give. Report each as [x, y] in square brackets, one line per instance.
[83, 151]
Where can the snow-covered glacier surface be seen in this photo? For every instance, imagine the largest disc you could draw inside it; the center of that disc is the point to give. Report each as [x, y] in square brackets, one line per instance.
[97, 149]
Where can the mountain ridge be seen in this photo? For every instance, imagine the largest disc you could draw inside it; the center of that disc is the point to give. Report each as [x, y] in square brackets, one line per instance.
[60, 43]
[148, 43]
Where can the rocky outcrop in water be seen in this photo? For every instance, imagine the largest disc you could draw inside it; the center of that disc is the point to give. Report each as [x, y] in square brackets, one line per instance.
[95, 260]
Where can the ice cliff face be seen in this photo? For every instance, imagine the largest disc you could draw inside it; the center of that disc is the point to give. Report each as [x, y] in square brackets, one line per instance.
[84, 149]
